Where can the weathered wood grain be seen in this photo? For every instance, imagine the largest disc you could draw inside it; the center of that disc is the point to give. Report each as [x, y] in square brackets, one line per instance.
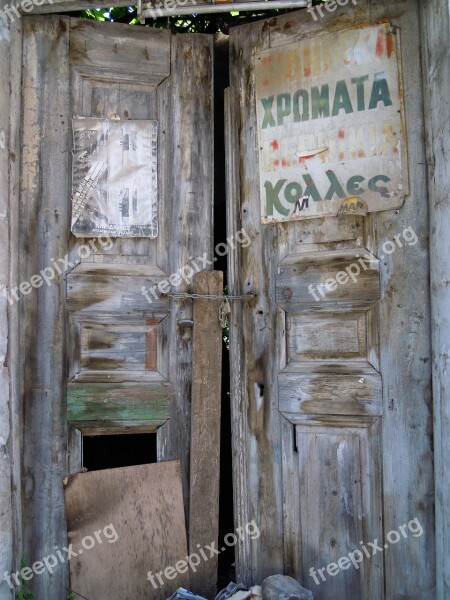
[186, 178]
[238, 399]
[7, 401]
[44, 218]
[299, 271]
[435, 20]
[338, 507]
[107, 54]
[205, 428]
[405, 352]
[326, 336]
[14, 337]
[134, 516]
[330, 394]
[257, 440]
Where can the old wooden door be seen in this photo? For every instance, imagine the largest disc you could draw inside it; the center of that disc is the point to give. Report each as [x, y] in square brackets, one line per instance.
[99, 355]
[331, 394]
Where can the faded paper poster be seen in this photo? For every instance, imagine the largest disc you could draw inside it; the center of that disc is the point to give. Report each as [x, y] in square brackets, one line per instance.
[114, 182]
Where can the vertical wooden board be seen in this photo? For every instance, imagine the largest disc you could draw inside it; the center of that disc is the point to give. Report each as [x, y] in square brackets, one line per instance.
[205, 429]
[127, 522]
[405, 352]
[6, 514]
[238, 398]
[44, 210]
[185, 101]
[257, 441]
[14, 355]
[435, 18]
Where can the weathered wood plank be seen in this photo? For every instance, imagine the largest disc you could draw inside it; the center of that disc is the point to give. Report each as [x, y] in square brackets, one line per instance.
[238, 400]
[134, 516]
[99, 402]
[144, 61]
[44, 211]
[405, 345]
[256, 418]
[312, 277]
[331, 394]
[186, 177]
[112, 293]
[7, 400]
[14, 338]
[205, 428]
[435, 20]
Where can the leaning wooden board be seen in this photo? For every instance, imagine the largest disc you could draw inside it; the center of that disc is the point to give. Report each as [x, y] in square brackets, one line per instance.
[134, 520]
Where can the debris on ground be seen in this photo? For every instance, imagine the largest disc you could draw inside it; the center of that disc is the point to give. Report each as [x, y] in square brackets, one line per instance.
[182, 594]
[282, 587]
[238, 591]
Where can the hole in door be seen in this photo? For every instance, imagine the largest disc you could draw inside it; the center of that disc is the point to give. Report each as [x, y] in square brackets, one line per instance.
[113, 451]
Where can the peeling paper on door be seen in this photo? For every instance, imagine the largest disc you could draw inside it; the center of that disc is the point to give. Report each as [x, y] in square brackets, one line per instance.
[114, 179]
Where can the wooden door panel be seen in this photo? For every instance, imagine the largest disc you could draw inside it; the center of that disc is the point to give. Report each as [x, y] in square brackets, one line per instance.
[340, 504]
[327, 382]
[95, 352]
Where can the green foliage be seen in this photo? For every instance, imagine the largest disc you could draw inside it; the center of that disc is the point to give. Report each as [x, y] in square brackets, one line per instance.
[24, 592]
[195, 23]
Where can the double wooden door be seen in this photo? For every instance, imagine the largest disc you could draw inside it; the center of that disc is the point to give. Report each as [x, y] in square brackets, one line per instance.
[330, 400]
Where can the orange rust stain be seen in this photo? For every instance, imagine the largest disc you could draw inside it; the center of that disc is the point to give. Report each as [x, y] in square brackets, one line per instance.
[151, 341]
[307, 58]
[274, 145]
[341, 156]
[266, 60]
[395, 150]
[266, 81]
[341, 134]
[284, 162]
[361, 154]
[276, 163]
[389, 44]
[380, 46]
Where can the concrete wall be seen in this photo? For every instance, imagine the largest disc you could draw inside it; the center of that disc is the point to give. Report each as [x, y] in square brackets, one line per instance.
[436, 68]
[5, 456]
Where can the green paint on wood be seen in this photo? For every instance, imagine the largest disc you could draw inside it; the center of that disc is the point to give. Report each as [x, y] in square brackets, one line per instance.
[103, 402]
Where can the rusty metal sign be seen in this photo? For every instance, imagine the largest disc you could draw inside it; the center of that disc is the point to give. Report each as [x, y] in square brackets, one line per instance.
[114, 182]
[330, 125]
